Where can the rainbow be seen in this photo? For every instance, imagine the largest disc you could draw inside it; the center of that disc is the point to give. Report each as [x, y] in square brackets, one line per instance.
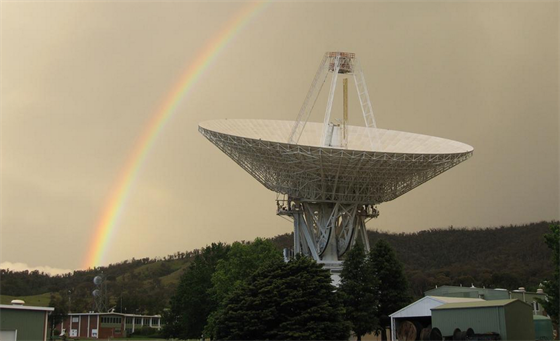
[106, 225]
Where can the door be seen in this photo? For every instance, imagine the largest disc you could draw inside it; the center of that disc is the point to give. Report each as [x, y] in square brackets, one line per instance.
[8, 335]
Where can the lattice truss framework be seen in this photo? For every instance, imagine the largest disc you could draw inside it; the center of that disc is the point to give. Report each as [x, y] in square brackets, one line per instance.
[325, 231]
[332, 175]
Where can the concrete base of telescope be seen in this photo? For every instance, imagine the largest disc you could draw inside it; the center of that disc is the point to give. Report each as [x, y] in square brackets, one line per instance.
[336, 270]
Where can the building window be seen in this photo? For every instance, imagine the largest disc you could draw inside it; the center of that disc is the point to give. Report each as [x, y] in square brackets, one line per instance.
[138, 320]
[111, 319]
[74, 319]
[155, 321]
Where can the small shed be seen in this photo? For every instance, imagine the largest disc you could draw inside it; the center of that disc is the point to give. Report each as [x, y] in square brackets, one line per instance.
[511, 319]
[543, 328]
[23, 323]
[419, 312]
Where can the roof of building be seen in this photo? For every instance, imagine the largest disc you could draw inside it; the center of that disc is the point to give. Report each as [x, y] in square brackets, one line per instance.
[459, 291]
[113, 313]
[465, 288]
[445, 299]
[25, 307]
[423, 306]
[479, 304]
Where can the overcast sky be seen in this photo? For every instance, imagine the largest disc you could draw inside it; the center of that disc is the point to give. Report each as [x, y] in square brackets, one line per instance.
[80, 80]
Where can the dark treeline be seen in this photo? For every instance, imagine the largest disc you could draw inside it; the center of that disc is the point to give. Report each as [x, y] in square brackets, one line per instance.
[506, 257]
[503, 257]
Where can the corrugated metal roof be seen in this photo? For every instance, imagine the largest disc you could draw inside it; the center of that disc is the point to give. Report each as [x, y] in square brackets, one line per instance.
[423, 306]
[454, 291]
[480, 304]
[445, 299]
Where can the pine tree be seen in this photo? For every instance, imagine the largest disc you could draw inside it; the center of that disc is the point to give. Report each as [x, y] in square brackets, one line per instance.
[284, 301]
[358, 290]
[551, 287]
[191, 304]
[393, 286]
[242, 260]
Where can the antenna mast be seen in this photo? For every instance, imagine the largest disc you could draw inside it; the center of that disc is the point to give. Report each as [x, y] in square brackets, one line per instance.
[100, 293]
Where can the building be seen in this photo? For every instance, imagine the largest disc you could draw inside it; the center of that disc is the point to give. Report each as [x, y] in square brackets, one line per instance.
[521, 294]
[23, 323]
[543, 328]
[419, 313]
[531, 298]
[512, 319]
[105, 325]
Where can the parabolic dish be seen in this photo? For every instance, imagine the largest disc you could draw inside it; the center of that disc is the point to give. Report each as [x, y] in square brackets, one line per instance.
[97, 280]
[309, 171]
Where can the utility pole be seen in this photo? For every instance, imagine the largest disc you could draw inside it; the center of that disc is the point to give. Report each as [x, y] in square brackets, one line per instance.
[69, 301]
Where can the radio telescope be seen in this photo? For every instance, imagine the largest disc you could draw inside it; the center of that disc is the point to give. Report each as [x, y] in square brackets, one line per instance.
[330, 176]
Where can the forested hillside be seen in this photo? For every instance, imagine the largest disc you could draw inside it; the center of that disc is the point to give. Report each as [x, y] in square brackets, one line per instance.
[505, 257]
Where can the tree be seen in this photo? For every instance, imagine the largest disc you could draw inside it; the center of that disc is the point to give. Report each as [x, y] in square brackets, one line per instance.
[358, 290]
[60, 311]
[552, 302]
[241, 262]
[192, 303]
[393, 286]
[284, 301]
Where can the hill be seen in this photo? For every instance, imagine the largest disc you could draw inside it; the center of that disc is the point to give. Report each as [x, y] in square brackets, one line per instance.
[506, 257]
[41, 300]
[503, 257]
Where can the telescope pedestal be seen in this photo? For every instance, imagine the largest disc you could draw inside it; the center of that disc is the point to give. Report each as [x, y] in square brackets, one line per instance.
[325, 231]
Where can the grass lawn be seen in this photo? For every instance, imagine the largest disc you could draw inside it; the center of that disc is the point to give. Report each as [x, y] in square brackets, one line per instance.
[41, 300]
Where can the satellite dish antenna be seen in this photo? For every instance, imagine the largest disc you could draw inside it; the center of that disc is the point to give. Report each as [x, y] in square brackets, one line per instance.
[330, 176]
[100, 293]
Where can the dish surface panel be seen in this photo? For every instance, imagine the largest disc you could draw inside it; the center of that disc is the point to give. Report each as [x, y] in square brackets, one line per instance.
[311, 172]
